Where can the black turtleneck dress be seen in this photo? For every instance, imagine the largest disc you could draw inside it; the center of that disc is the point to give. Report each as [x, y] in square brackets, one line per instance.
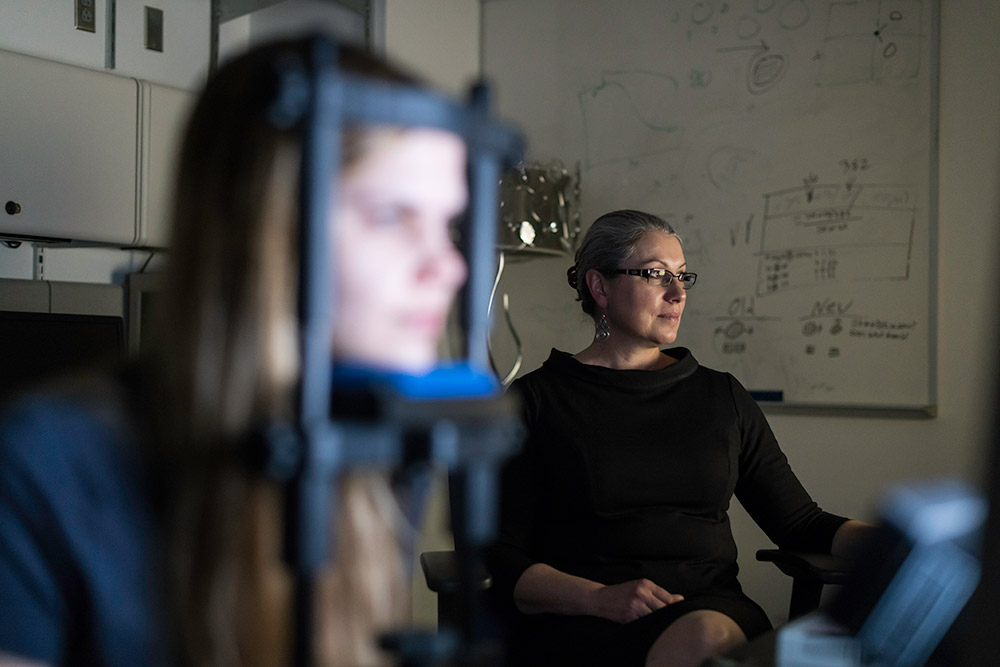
[629, 474]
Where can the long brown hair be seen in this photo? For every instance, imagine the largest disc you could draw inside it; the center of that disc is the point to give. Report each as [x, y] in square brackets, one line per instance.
[227, 363]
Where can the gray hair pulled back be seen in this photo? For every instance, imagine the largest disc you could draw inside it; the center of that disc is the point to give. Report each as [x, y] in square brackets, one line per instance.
[610, 242]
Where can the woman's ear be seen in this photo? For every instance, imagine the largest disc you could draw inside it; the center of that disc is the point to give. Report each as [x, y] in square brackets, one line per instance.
[596, 283]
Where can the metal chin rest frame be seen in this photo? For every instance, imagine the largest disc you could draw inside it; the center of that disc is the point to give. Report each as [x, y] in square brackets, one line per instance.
[471, 435]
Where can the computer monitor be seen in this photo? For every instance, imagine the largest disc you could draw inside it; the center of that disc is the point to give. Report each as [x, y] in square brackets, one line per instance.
[143, 292]
[49, 327]
[916, 574]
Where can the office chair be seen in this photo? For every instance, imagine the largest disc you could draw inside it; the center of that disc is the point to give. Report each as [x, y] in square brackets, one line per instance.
[441, 572]
[809, 573]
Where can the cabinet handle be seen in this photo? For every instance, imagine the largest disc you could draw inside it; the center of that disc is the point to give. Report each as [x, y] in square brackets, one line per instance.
[12, 208]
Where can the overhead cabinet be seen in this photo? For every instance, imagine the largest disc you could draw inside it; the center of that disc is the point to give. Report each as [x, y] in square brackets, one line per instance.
[68, 151]
[165, 112]
[85, 156]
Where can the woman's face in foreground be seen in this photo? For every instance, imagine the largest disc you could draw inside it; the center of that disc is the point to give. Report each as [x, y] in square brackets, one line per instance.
[396, 265]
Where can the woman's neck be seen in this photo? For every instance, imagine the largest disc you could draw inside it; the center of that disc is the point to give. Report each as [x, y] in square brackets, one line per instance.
[623, 358]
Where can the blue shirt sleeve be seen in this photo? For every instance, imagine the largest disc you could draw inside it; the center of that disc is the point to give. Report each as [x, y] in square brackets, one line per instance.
[77, 582]
[30, 594]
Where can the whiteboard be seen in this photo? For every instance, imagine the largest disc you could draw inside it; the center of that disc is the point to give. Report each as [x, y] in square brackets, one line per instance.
[791, 143]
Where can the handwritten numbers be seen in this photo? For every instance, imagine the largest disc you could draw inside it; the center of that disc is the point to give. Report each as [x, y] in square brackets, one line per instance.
[855, 165]
[743, 305]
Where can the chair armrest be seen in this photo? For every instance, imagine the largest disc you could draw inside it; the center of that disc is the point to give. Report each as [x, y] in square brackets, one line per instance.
[813, 567]
[443, 574]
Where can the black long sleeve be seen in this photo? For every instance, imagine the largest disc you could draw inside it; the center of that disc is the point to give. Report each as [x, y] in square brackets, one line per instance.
[629, 474]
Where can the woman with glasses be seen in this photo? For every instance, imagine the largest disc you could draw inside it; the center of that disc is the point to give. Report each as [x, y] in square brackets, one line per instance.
[134, 528]
[615, 544]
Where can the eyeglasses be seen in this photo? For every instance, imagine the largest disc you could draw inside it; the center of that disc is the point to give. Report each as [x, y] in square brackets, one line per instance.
[661, 277]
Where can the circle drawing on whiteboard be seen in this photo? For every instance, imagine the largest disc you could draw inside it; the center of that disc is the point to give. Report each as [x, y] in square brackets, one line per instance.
[736, 329]
[794, 15]
[701, 12]
[765, 71]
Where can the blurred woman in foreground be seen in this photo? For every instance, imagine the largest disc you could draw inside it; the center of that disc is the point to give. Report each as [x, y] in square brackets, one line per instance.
[131, 530]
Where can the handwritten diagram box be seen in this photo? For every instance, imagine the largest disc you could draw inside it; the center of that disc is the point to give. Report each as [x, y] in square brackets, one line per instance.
[816, 234]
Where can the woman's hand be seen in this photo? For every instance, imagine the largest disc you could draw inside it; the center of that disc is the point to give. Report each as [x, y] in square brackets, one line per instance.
[623, 603]
[542, 589]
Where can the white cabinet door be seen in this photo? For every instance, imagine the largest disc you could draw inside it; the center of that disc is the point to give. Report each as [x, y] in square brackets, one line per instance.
[165, 114]
[68, 152]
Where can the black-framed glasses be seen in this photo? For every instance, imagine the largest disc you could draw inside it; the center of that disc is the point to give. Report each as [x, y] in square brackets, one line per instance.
[662, 277]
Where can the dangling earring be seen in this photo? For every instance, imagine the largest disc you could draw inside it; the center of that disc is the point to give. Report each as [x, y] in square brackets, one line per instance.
[603, 329]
